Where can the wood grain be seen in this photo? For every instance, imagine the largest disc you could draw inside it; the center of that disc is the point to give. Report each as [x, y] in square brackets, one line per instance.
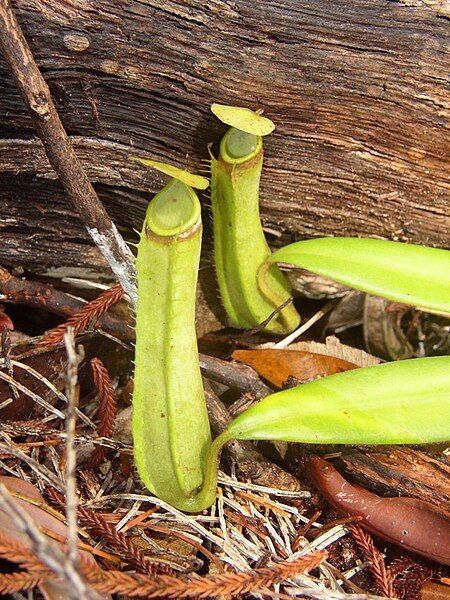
[358, 90]
[404, 471]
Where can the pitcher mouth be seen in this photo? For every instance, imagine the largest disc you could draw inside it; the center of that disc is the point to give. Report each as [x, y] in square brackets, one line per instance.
[173, 211]
[238, 146]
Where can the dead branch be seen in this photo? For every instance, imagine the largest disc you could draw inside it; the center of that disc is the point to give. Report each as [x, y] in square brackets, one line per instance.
[40, 295]
[60, 152]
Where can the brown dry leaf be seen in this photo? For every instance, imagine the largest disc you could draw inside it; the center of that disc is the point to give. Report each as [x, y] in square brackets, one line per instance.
[383, 333]
[5, 322]
[48, 520]
[347, 313]
[333, 347]
[278, 366]
[434, 591]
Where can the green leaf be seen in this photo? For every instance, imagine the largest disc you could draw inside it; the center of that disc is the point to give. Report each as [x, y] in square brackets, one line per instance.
[243, 118]
[196, 181]
[415, 275]
[405, 402]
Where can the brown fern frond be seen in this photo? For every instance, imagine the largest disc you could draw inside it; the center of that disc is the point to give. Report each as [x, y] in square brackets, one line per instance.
[228, 584]
[116, 539]
[17, 552]
[19, 582]
[409, 575]
[55, 497]
[158, 585]
[107, 409]
[120, 542]
[376, 565]
[401, 564]
[90, 313]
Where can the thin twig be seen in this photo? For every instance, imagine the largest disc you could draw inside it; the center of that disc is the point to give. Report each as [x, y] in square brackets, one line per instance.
[42, 295]
[60, 152]
[239, 377]
[264, 323]
[75, 357]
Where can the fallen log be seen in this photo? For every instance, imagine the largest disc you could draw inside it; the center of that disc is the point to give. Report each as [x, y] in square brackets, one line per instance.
[357, 90]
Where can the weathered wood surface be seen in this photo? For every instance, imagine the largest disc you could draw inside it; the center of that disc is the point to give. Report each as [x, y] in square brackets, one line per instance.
[401, 471]
[357, 88]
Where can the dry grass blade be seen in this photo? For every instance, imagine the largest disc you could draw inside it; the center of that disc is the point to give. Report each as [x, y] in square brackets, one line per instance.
[376, 565]
[116, 539]
[107, 409]
[305, 326]
[90, 313]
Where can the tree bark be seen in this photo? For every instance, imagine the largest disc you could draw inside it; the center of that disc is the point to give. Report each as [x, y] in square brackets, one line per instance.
[357, 89]
[401, 471]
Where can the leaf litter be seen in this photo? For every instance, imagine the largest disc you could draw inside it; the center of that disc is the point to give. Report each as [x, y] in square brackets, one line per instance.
[257, 540]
